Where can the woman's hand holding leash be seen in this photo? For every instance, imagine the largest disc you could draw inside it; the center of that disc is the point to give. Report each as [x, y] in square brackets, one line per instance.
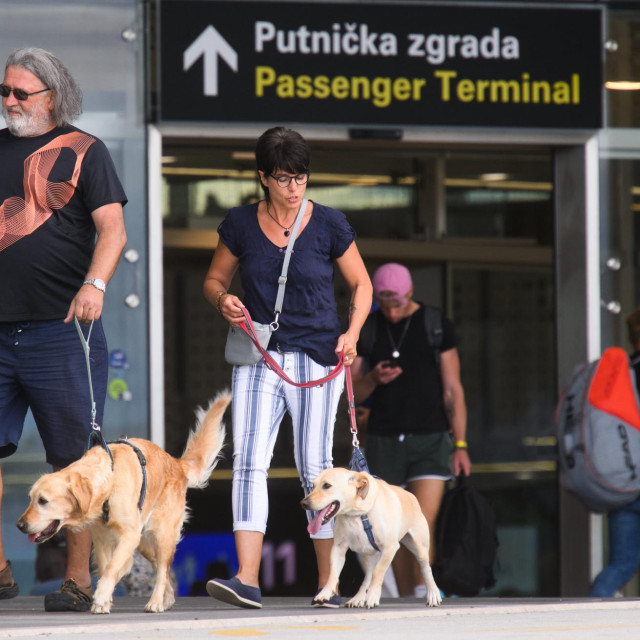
[346, 342]
[230, 309]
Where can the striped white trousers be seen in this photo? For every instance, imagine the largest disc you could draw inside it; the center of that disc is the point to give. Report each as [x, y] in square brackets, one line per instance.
[260, 399]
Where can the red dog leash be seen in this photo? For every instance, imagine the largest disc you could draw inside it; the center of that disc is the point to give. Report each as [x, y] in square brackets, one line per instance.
[358, 461]
[352, 410]
[270, 363]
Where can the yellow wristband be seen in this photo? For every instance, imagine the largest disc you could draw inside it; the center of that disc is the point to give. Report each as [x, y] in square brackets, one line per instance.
[460, 444]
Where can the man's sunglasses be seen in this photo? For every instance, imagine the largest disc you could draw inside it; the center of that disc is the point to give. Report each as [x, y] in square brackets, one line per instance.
[20, 94]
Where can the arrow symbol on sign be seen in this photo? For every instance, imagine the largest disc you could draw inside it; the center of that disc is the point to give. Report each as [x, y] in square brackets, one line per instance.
[210, 45]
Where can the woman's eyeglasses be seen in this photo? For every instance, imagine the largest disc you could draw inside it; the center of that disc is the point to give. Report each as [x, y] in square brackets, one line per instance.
[285, 181]
[20, 94]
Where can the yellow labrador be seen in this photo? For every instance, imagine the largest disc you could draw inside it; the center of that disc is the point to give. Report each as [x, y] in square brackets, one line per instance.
[91, 492]
[395, 517]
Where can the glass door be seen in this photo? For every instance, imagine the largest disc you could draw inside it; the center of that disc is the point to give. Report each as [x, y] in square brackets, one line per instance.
[475, 226]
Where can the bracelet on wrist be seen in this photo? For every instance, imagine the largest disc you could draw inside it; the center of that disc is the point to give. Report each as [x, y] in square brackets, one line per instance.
[460, 444]
[219, 300]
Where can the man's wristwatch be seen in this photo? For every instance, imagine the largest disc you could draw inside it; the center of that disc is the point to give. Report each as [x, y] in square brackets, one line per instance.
[98, 283]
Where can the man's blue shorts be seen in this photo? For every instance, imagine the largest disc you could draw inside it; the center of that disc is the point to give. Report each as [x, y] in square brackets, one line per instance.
[43, 367]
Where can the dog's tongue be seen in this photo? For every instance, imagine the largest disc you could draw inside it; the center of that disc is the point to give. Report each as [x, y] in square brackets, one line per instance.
[316, 523]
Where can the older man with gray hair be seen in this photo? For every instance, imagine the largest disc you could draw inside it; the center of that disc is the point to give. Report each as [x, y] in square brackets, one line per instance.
[61, 235]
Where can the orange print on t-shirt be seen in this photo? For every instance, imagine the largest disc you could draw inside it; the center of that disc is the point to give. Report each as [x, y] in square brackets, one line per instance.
[21, 216]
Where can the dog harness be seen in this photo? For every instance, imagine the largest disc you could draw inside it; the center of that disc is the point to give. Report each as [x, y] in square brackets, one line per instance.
[369, 531]
[143, 466]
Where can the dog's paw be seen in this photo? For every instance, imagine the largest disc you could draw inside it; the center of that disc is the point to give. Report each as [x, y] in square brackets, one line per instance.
[434, 598]
[355, 604]
[358, 601]
[101, 608]
[103, 597]
[373, 597]
[324, 594]
[169, 601]
[154, 607]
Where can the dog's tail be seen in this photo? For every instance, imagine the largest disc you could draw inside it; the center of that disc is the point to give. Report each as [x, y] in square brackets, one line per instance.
[203, 448]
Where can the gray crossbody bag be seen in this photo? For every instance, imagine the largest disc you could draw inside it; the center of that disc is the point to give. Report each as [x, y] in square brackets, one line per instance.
[239, 349]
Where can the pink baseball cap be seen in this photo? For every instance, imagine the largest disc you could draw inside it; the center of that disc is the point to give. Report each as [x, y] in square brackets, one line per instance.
[392, 283]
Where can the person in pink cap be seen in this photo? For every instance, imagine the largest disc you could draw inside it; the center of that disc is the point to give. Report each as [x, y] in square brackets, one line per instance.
[408, 372]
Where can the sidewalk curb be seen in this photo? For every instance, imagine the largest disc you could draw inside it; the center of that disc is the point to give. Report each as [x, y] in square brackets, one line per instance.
[223, 617]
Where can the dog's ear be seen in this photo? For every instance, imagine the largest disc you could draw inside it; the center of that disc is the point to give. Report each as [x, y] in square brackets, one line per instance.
[362, 485]
[81, 490]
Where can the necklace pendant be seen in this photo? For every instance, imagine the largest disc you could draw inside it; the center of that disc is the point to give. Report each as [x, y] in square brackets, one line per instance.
[395, 354]
[286, 233]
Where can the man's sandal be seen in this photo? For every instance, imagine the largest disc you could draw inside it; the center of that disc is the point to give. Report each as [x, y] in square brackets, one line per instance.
[8, 587]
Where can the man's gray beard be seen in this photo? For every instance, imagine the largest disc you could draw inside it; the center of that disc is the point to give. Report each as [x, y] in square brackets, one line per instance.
[27, 126]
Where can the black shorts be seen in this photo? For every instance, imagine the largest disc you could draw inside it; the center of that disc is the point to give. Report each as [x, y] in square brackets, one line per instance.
[43, 368]
[400, 459]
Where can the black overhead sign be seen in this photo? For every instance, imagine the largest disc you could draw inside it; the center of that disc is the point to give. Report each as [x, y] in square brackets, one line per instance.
[387, 64]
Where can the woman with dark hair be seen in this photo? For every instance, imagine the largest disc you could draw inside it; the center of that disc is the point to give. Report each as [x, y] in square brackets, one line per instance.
[253, 239]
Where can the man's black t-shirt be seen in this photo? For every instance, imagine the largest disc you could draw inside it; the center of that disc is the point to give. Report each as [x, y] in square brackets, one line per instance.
[49, 186]
[412, 403]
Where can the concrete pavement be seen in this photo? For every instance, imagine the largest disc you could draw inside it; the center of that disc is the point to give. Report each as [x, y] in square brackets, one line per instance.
[293, 618]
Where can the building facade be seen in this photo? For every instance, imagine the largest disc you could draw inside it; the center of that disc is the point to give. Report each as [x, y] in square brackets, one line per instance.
[476, 142]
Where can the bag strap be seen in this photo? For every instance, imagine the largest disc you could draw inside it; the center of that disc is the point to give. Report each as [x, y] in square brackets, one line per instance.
[282, 280]
[247, 326]
[433, 327]
[367, 337]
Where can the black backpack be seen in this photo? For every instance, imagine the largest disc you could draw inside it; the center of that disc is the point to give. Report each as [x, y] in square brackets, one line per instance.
[466, 541]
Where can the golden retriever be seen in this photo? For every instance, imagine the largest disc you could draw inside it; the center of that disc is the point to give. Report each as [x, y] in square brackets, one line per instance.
[89, 492]
[395, 517]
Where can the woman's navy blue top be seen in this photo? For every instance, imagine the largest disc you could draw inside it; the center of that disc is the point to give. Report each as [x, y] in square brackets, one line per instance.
[309, 320]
